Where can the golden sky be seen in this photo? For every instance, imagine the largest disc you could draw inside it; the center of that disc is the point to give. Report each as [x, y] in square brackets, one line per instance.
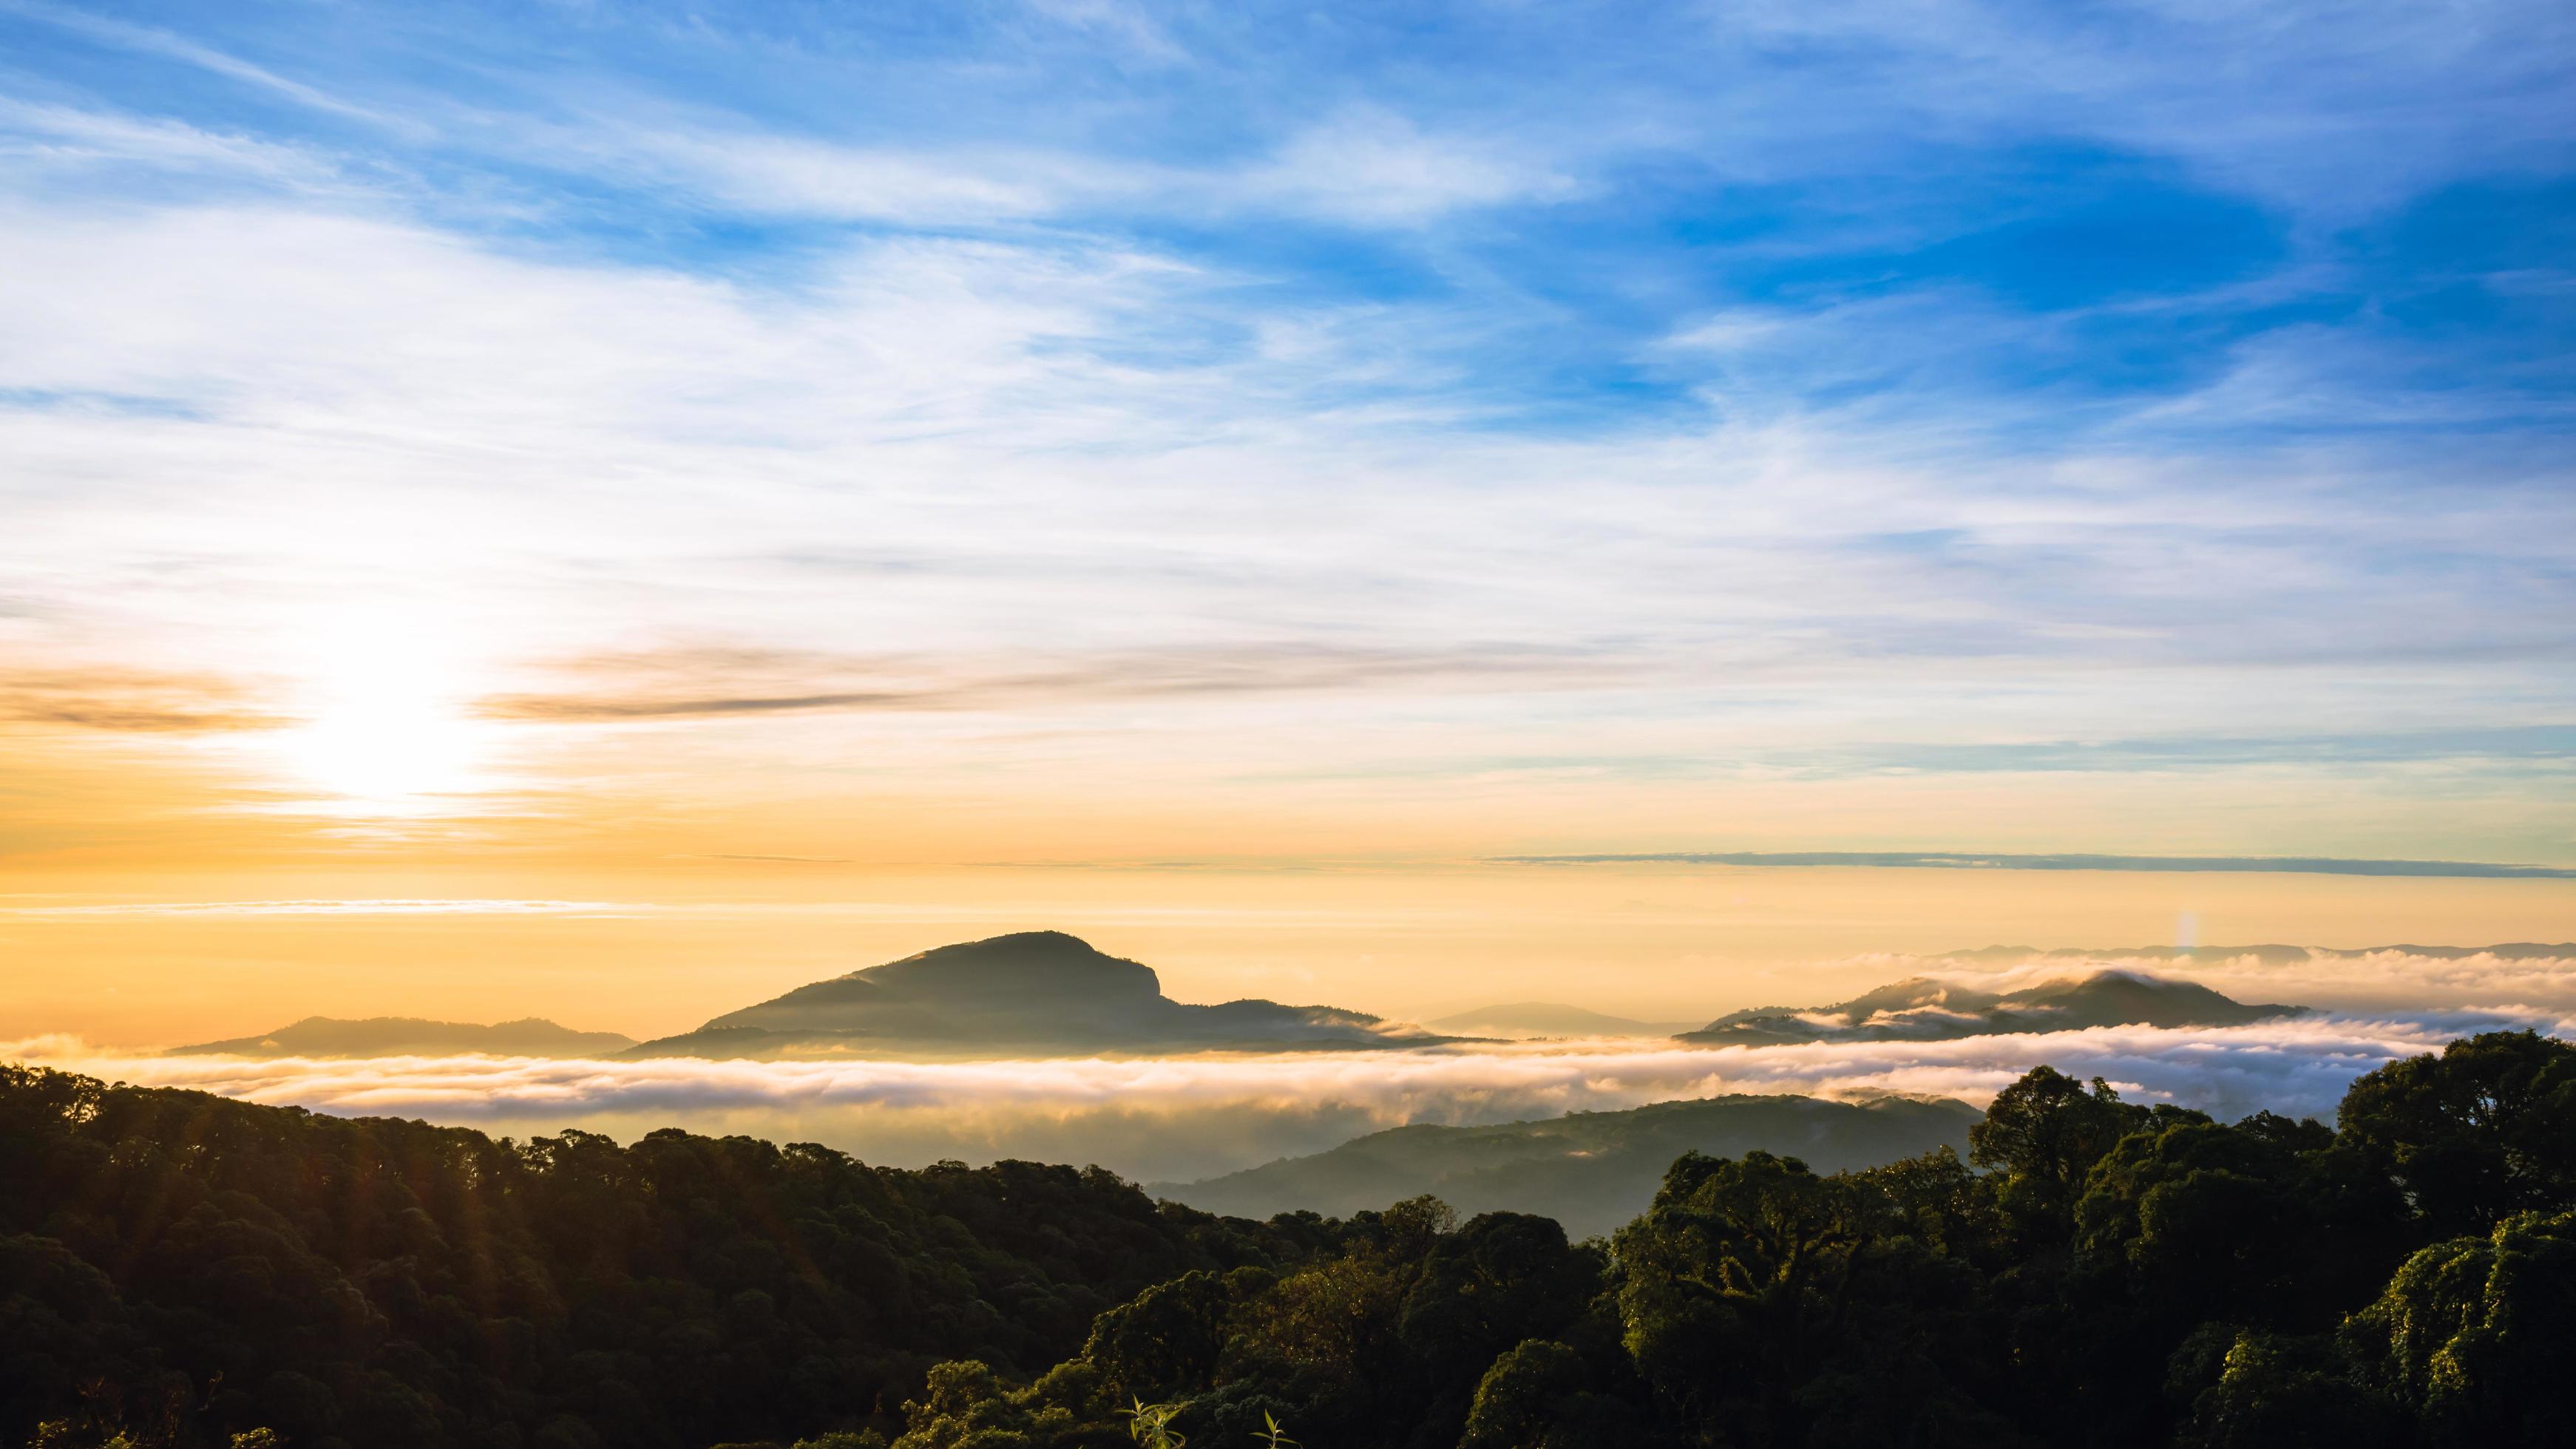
[651, 952]
[800, 509]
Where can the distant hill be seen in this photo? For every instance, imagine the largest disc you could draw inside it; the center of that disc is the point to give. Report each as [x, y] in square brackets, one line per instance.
[1591, 1171]
[1921, 1008]
[396, 1036]
[1037, 992]
[1549, 1019]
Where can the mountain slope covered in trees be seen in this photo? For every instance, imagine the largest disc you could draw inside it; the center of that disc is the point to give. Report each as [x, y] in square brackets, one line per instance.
[186, 1267]
[1591, 1171]
[180, 1270]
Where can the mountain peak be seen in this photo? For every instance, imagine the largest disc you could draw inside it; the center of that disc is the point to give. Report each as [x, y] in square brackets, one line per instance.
[1030, 991]
[1048, 963]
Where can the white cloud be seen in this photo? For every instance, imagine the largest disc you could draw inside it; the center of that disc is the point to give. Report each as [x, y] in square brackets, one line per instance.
[151, 40]
[1363, 167]
[1173, 1118]
[73, 144]
[2330, 108]
[770, 175]
[1377, 168]
[1032, 452]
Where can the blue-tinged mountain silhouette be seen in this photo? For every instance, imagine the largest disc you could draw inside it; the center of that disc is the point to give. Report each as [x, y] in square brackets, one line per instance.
[1591, 1171]
[1921, 1008]
[399, 1036]
[1036, 992]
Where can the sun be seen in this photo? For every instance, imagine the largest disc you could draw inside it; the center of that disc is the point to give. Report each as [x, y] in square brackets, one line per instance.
[389, 726]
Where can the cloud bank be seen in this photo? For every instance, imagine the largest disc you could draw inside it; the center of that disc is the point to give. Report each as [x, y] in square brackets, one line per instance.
[1179, 1118]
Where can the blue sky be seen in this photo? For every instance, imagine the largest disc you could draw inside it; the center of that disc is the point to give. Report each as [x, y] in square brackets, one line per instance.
[1730, 392]
[2095, 207]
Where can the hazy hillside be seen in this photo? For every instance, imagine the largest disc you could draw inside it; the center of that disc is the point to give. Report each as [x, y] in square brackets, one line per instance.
[393, 1036]
[1550, 1019]
[1924, 1009]
[1036, 992]
[1590, 1171]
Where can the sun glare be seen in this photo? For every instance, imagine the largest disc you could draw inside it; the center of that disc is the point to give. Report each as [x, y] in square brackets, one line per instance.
[389, 730]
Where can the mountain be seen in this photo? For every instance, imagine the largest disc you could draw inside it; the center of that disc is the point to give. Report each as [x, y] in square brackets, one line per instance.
[1037, 992]
[398, 1036]
[1591, 1171]
[1921, 1008]
[1547, 1019]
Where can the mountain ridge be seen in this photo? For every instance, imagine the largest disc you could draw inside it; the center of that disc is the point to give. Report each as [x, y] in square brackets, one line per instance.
[1591, 1171]
[375, 1036]
[1926, 1008]
[1041, 992]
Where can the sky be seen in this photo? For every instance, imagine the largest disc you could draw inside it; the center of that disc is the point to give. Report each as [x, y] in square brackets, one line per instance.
[704, 497]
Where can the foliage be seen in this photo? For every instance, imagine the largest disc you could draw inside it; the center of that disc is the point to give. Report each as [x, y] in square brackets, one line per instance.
[183, 1268]
[2480, 1133]
[180, 1271]
[2473, 1335]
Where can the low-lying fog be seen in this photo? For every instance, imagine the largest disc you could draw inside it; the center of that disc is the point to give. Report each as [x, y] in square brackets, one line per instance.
[1181, 1118]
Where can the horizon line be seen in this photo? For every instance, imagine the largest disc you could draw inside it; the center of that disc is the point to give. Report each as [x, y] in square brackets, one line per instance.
[1984, 860]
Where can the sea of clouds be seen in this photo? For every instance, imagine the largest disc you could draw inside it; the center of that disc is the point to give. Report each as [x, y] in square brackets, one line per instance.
[1181, 1118]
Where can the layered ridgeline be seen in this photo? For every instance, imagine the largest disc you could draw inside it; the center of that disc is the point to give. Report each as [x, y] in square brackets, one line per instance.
[1047, 993]
[1591, 1171]
[1924, 1009]
[400, 1036]
[1034, 993]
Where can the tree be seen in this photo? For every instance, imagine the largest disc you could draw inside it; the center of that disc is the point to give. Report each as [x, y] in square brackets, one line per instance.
[2474, 1136]
[1734, 1286]
[2202, 1220]
[2044, 1133]
[2475, 1335]
[2270, 1391]
[1165, 1340]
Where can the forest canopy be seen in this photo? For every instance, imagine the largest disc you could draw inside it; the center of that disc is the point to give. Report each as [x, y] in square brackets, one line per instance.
[183, 1270]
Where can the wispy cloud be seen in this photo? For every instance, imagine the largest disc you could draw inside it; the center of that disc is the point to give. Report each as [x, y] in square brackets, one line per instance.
[75, 144]
[1374, 167]
[1365, 167]
[132, 701]
[1772, 395]
[171, 45]
[766, 175]
[684, 683]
